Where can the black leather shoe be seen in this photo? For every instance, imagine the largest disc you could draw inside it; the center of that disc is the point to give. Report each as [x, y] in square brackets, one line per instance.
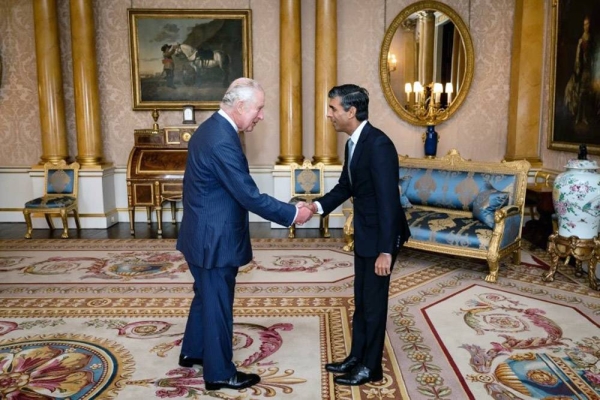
[342, 366]
[239, 380]
[359, 376]
[189, 362]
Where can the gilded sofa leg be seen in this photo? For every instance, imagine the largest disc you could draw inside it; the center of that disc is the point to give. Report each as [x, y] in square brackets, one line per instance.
[493, 275]
[27, 215]
[516, 257]
[349, 245]
[292, 231]
[63, 217]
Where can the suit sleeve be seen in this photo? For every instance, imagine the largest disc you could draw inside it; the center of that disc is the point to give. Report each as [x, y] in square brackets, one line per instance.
[231, 168]
[384, 175]
[341, 192]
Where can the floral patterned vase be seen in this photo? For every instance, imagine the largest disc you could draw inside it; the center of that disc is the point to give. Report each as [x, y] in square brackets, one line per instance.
[576, 198]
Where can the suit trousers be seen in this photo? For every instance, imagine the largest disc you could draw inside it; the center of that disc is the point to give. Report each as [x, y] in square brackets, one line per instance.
[370, 314]
[209, 329]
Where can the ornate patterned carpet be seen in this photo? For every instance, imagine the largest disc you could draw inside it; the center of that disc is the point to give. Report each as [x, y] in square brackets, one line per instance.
[103, 319]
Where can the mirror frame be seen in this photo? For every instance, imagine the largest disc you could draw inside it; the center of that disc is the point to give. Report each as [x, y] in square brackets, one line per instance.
[384, 72]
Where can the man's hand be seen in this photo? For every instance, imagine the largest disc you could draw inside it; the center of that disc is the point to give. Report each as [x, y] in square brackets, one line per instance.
[304, 213]
[383, 264]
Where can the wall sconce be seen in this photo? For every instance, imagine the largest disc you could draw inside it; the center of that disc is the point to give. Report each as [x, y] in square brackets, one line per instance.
[392, 62]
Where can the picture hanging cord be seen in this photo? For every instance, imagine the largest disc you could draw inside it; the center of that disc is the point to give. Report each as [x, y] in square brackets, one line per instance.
[384, 15]
[469, 15]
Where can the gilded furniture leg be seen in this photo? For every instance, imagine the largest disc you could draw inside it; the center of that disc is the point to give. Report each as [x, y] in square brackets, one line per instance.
[63, 217]
[159, 218]
[76, 215]
[49, 221]
[349, 232]
[325, 226]
[27, 215]
[592, 271]
[578, 268]
[492, 277]
[516, 256]
[131, 220]
[149, 215]
[131, 209]
[292, 231]
[173, 211]
[554, 257]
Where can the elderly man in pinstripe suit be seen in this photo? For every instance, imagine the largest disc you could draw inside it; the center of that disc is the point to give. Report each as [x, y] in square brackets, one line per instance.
[218, 193]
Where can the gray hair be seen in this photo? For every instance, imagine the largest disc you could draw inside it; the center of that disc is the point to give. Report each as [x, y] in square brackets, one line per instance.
[242, 89]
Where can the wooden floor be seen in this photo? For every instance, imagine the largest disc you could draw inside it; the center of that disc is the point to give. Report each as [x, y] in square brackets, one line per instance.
[15, 230]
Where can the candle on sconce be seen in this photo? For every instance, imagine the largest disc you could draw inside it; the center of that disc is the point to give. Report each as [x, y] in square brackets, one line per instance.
[437, 90]
[449, 91]
[407, 90]
[418, 91]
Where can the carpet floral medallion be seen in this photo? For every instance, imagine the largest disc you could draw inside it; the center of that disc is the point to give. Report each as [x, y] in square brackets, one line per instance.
[104, 319]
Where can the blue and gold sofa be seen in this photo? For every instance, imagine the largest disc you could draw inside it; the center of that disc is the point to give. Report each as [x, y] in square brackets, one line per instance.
[461, 207]
[465, 208]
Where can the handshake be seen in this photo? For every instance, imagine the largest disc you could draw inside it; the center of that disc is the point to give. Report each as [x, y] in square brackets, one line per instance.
[305, 212]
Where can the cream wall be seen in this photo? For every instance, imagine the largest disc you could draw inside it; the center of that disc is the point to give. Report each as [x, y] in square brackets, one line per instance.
[478, 130]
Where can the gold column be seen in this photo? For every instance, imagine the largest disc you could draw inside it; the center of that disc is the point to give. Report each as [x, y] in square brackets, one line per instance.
[325, 79]
[85, 81]
[526, 83]
[50, 84]
[290, 83]
[427, 19]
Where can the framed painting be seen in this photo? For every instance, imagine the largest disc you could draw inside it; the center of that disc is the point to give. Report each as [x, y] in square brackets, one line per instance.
[187, 57]
[575, 76]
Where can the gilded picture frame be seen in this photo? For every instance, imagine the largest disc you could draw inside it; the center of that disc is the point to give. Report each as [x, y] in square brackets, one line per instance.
[187, 57]
[575, 76]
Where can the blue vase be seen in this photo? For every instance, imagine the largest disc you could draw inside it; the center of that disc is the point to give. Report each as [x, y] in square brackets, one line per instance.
[431, 141]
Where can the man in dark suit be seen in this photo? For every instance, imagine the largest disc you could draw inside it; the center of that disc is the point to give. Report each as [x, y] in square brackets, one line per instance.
[218, 193]
[370, 176]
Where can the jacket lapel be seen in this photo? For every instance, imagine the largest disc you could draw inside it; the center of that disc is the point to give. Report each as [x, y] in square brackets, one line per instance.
[360, 146]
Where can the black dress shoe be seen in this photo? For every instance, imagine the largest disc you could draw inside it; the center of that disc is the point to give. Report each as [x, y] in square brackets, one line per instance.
[342, 366]
[239, 380]
[189, 362]
[359, 376]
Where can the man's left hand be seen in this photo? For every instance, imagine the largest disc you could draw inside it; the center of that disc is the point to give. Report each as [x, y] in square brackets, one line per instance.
[383, 264]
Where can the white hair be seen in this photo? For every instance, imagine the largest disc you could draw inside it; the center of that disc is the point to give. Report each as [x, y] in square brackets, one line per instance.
[242, 89]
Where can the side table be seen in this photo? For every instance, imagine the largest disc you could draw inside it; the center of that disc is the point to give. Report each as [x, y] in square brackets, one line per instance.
[538, 230]
[582, 249]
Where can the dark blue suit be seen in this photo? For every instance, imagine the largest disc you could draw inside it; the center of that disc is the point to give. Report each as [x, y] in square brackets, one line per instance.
[379, 227]
[218, 192]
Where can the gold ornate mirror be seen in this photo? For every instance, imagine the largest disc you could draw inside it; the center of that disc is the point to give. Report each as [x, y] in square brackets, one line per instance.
[426, 44]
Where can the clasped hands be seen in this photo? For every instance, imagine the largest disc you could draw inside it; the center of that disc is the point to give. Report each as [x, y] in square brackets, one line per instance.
[305, 212]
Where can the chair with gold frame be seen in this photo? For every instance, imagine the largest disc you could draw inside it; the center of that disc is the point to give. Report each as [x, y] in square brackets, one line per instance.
[307, 185]
[61, 182]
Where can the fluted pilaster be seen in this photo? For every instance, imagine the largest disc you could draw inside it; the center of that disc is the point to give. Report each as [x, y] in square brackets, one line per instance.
[85, 80]
[50, 84]
[290, 83]
[325, 79]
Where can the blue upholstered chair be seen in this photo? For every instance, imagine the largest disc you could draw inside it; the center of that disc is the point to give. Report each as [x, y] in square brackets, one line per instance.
[60, 196]
[307, 185]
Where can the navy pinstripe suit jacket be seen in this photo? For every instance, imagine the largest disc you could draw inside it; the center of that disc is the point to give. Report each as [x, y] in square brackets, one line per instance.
[218, 192]
[379, 222]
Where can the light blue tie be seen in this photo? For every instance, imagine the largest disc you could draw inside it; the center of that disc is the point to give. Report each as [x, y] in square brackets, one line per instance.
[350, 152]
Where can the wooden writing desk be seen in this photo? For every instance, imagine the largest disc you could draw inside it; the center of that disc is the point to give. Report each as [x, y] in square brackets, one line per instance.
[155, 171]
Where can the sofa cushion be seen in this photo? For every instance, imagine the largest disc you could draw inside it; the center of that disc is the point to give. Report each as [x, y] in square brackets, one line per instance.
[486, 203]
[448, 229]
[403, 186]
[454, 190]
